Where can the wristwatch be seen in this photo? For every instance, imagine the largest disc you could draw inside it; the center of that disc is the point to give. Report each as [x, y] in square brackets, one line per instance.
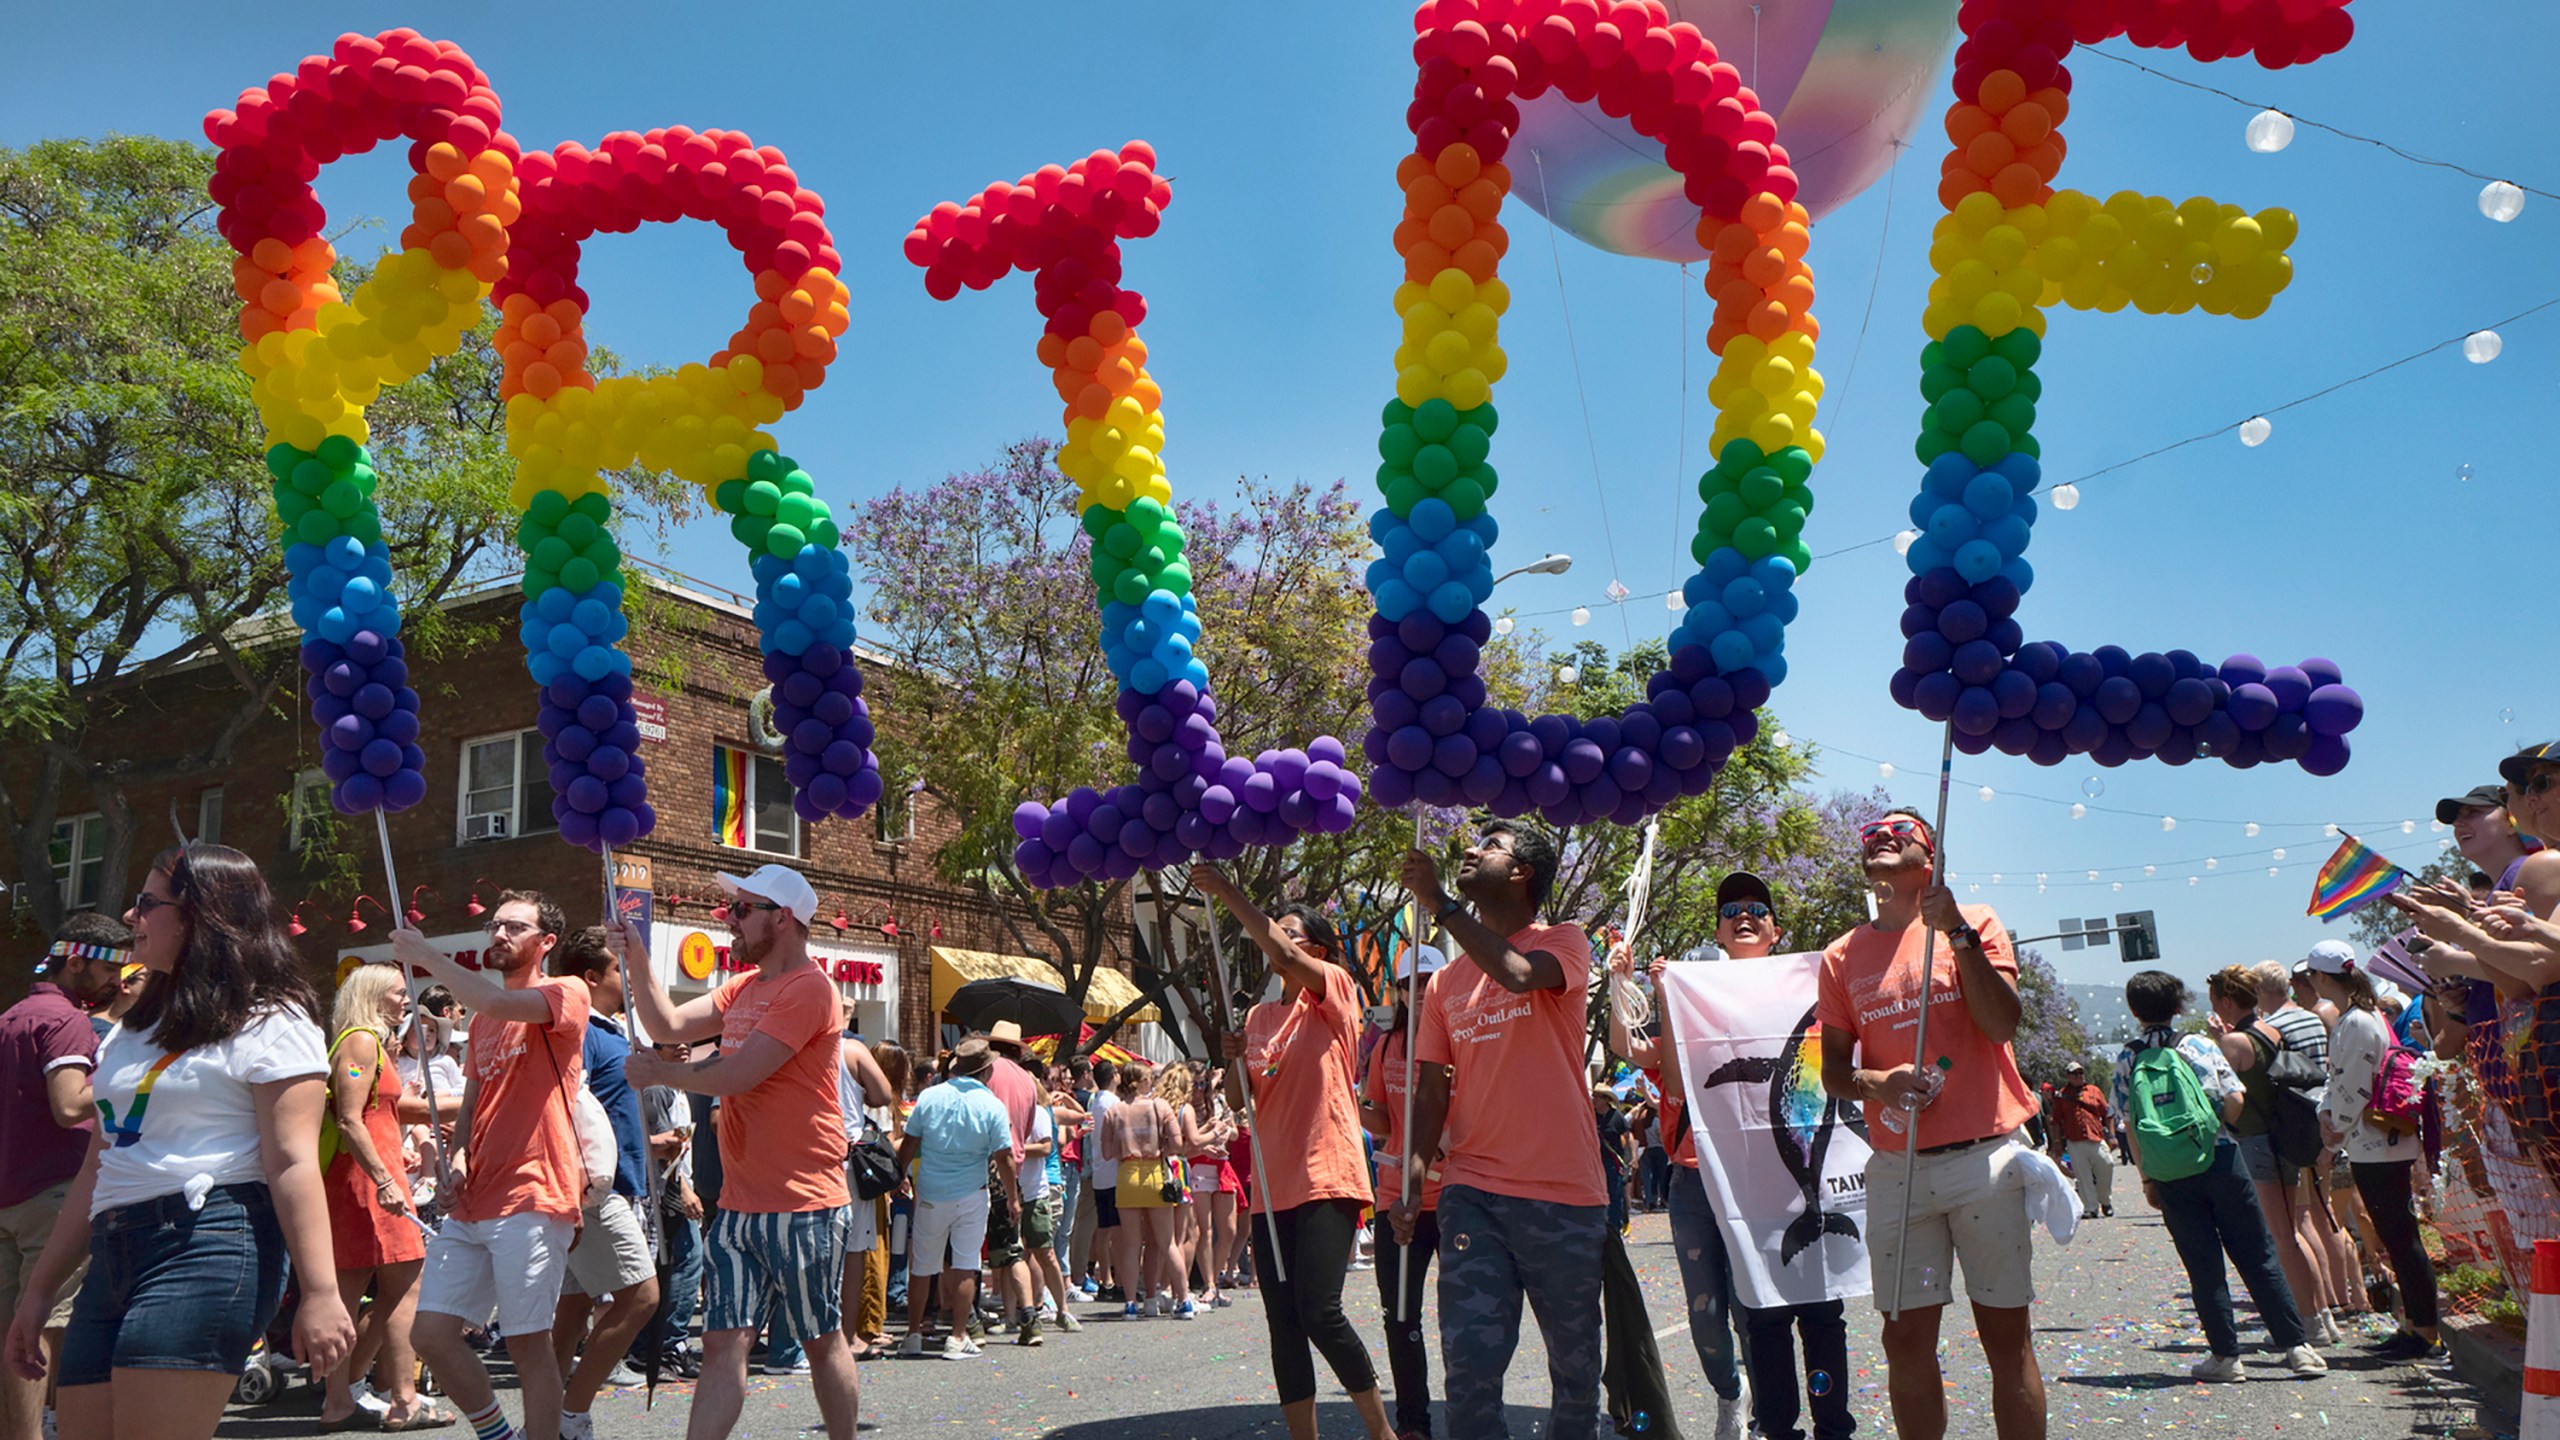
[1965, 935]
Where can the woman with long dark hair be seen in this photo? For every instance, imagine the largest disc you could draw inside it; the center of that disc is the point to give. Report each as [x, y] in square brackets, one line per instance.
[206, 1175]
[1304, 1212]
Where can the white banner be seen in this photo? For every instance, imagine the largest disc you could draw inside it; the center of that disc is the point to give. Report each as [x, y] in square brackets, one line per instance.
[1783, 1169]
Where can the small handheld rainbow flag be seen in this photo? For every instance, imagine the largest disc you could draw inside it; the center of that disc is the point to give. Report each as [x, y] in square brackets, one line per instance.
[2353, 877]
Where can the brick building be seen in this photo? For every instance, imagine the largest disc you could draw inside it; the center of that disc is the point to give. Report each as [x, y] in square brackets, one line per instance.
[896, 937]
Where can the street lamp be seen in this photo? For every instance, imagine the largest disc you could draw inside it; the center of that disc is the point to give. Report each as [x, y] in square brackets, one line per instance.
[1550, 565]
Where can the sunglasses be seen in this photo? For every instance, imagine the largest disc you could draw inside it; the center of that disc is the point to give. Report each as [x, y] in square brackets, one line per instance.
[144, 902]
[1735, 910]
[510, 927]
[1900, 827]
[2540, 781]
[736, 905]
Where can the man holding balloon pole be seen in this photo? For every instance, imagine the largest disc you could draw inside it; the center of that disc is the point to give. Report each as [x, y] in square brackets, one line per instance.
[1961, 1106]
[1523, 1212]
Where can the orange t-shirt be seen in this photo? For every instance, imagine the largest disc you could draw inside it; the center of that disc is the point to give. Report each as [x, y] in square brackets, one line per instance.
[1672, 1115]
[1386, 1091]
[782, 1143]
[524, 1146]
[1298, 1057]
[1871, 989]
[1520, 1104]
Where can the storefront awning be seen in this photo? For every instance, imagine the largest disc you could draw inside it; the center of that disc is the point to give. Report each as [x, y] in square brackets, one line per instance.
[1104, 998]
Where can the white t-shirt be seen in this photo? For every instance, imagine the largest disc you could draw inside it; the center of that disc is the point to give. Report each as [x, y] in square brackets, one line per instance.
[1034, 1174]
[1103, 1170]
[448, 1076]
[199, 1127]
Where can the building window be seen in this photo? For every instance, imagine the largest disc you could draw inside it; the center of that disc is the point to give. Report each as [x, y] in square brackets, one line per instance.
[80, 859]
[312, 816]
[209, 815]
[751, 802]
[893, 819]
[506, 787]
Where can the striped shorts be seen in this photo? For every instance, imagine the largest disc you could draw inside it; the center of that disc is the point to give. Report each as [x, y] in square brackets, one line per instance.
[794, 1259]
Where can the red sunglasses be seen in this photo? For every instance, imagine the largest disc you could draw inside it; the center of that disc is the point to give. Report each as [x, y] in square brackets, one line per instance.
[1900, 827]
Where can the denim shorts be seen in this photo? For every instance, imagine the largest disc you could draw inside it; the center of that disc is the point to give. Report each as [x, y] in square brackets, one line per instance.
[171, 1288]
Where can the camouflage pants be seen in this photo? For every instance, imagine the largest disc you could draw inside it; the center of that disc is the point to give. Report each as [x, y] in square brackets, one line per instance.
[1495, 1251]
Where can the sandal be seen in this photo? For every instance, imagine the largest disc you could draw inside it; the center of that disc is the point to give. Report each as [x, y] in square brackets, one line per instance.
[430, 1415]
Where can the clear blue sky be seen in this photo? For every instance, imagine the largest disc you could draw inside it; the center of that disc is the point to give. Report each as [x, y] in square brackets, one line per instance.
[2349, 534]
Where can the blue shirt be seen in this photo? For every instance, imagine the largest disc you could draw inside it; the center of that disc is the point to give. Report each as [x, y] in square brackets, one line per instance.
[959, 1125]
[604, 1050]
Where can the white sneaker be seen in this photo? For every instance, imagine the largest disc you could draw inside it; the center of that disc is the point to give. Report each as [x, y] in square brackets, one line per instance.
[912, 1348]
[577, 1427]
[2301, 1360]
[961, 1348]
[2220, 1369]
[1729, 1418]
[362, 1393]
[2330, 1331]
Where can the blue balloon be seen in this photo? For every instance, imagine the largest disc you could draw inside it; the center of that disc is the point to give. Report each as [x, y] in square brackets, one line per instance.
[1432, 520]
[1978, 560]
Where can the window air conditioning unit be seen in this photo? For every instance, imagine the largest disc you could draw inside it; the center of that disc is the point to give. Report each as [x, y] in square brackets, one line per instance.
[484, 827]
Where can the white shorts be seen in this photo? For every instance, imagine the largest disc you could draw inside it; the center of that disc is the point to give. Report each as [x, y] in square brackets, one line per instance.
[612, 1253]
[1968, 1206]
[511, 1265]
[957, 1227]
[862, 1228]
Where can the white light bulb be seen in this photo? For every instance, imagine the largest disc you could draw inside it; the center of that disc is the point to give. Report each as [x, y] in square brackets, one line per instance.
[1581, 614]
[2435, 826]
[1504, 625]
[2212, 864]
[2118, 885]
[2482, 346]
[2254, 431]
[2279, 853]
[2150, 870]
[2250, 829]
[2078, 810]
[2195, 879]
[1566, 674]
[2168, 822]
[2408, 827]
[2093, 874]
[2066, 497]
[1884, 770]
[1995, 877]
[1985, 793]
[2329, 830]
[2268, 131]
[2501, 201]
[1674, 602]
[1902, 541]
[2271, 870]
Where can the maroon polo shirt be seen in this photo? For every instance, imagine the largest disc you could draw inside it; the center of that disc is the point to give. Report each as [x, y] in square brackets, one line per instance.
[39, 1035]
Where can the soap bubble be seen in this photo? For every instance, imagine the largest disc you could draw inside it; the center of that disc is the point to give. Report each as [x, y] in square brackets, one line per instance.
[2202, 273]
[1819, 1382]
[2462, 471]
[2254, 431]
[1459, 1241]
[2269, 131]
[1643, 1421]
[2507, 715]
[2093, 787]
[2501, 201]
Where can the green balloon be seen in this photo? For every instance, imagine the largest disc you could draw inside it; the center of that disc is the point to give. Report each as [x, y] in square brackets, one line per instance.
[1932, 355]
[1797, 553]
[281, 458]
[579, 576]
[1123, 540]
[1483, 417]
[1403, 493]
[548, 508]
[1991, 377]
[767, 466]
[1097, 520]
[1466, 496]
[1103, 567]
[1146, 512]
[824, 533]
[1435, 465]
[1724, 512]
[594, 506]
[1739, 455]
[1396, 445]
[311, 477]
[2030, 385]
[1169, 538]
[1798, 495]
[1701, 546]
[1176, 577]
[796, 511]
[603, 552]
[1396, 413]
[316, 527]
[1932, 444]
[340, 451]
[730, 496]
[1149, 560]
[1130, 588]
[785, 540]
[1716, 482]
[2015, 414]
[1484, 476]
[579, 531]
[341, 499]
[1793, 462]
[750, 530]
[363, 478]
[1964, 345]
[1471, 445]
[2028, 447]
[291, 506]
[537, 581]
[1435, 420]
[1761, 487]
[365, 526]
[2020, 347]
[1755, 538]
[763, 497]
[1937, 380]
[797, 482]
[551, 553]
[1789, 520]
[1986, 442]
[1957, 413]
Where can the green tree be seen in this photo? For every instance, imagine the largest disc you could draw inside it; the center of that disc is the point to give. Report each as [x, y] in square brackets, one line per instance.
[2378, 922]
[136, 529]
[2049, 1035]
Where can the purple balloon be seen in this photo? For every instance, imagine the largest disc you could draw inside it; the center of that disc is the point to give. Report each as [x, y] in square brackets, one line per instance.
[2332, 710]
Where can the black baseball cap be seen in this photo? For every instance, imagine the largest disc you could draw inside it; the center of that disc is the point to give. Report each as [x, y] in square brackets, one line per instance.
[1743, 885]
[2492, 797]
[2519, 765]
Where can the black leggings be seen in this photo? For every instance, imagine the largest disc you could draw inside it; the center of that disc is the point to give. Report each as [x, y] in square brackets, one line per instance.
[1306, 1308]
[2385, 1188]
[1406, 1358]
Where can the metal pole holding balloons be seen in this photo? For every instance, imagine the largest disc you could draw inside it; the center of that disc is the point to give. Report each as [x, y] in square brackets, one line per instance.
[426, 1062]
[1408, 1162]
[1253, 1127]
[1920, 1031]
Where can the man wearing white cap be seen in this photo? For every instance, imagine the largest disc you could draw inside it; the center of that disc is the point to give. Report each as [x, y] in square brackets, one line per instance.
[1402, 1267]
[780, 1235]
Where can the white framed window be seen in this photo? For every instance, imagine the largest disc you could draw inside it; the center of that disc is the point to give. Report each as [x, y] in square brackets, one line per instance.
[209, 815]
[80, 859]
[311, 813]
[751, 802]
[893, 819]
[505, 787]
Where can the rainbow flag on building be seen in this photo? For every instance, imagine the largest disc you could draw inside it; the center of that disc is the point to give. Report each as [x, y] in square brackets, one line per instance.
[729, 796]
[2355, 876]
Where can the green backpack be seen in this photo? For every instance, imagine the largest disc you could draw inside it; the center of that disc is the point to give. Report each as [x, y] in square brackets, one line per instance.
[2174, 1125]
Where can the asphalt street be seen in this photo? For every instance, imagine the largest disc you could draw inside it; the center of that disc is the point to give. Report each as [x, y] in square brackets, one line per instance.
[2115, 1337]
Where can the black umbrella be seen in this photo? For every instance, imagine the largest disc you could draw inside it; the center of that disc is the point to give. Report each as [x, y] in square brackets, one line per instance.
[1038, 1009]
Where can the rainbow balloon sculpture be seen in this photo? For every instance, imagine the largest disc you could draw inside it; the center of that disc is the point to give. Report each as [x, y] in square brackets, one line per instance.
[565, 427]
[2009, 247]
[317, 358]
[1064, 225]
[1434, 738]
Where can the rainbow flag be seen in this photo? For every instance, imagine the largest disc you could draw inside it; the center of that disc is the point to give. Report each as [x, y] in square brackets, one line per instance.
[729, 796]
[2353, 877]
